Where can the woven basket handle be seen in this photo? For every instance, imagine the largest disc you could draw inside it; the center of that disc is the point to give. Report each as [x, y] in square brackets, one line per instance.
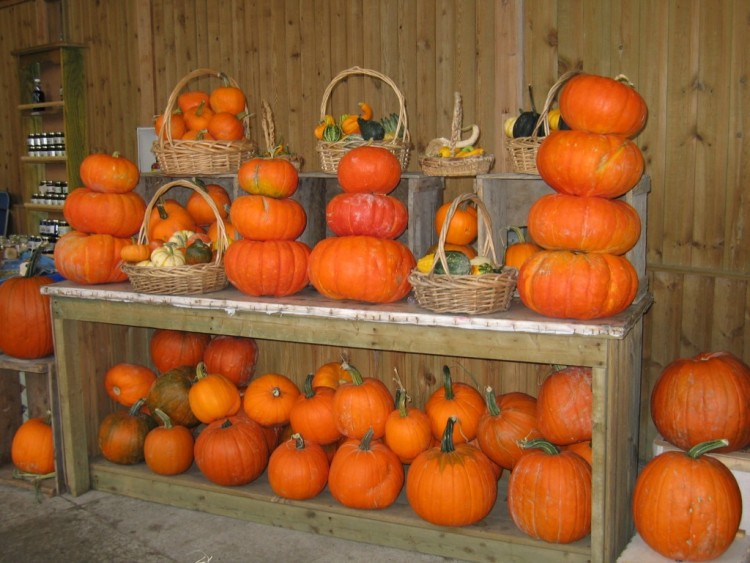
[355, 70]
[221, 229]
[543, 121]
[488, 248]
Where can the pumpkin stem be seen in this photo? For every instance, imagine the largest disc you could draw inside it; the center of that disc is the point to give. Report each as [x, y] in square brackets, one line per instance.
[200, 371]
[200, 183]
[531, 98]
[224, 79]
[489, 398]
[164, 417]
[446, 443]
[704, 447]
[357, 378]
[364, 444]
[624, 80]
[299, 441]
[308, 388]
[163, 215]
[401, 397]
[541, 443]
[448, 383]
[226, 424]
[136, 408]
[519, 234]
[31, 266]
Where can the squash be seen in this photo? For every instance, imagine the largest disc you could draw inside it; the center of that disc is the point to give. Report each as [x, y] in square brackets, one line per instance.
[234, 357]
[198, 252]
[312, 414]
[126, 383]
[104, 213]
[565, 406]
[457, 262]
[170, 393]
[407, 429]
[463, 226]
[90, 259]
[273, 267]
[169, 348]
[369, 214]
[110, 173]
[332, 133]
[122, 434]
[167, 255]
[212, 396]
[265, 218]
[272, 177]
[371, 129]
[269, 399]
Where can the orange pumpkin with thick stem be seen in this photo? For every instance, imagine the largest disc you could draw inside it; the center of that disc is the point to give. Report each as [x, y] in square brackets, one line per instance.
[104, 213]
[455, 399]
[565, 406]
[176, 125]
[269, 399]
[298, 469]
[90, 259]
[407, 429]
[273, 267]
[135, 252]
[212, 396]
[32, 449]
[168, 449]
[369, 169]
[312, 414]
[234, 357]
[168, 216]
[272, 177]
[197, 118]
[232, 233]
[110, 173]
[169, 348]
[126, 383]
[226, 126]
[191, 99]
[263, 218]
[362, 405]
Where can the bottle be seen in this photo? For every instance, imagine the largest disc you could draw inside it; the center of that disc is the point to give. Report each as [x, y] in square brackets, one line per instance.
[37, 95]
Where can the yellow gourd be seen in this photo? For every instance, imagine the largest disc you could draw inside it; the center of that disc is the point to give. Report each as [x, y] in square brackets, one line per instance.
[167, 255]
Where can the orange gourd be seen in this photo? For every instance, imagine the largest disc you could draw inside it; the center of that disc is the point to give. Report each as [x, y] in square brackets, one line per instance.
[199, 208]
[369, 169]
[565, 406]
[264, 218]
[104, 213]
[167, 217]
[331, 374]
[273, 267]
[90, 259]
[518, 252]
[272, 177]
[269, 399]
[110, 173]
[463, 228]
[234, 357]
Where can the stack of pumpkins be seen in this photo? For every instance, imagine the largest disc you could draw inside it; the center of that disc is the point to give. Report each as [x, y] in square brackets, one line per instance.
[363, 261]
[268, 260]
[584, 230]
[103, 214]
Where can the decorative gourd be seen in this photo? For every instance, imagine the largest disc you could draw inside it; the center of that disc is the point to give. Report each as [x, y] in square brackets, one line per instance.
[703, 398]
[457, 262]
[168, 216]
[376, 215]
[258, 217]
[586, 224]
[589, 164]
[90, 259]
[199, 208]
[135, 253]
[179, 239]
[407, 429]
[269, 399]
[564, 406]
[232, 451]
[170, 393]
[600, 104]
[463, 227]
[103, 213]
[332, 133]
[549, 494]
[109, 173]
[312, 414]
[453, 484]
[331, 374]
[298, 469]
[212, 396]
[369, 169]
[455, 399]
[126, 383]
[273, 267]
[167, 255]
[509, 419]
[123, 433]
[32, 449]
[361, 268]
[198, 252]
[170, 348]
[686, 505]
[361, 405]
[234, 357]
[272, 177]
[566, 284]
[365, 474]
[517, 253]
[168, 449]
[23, 305]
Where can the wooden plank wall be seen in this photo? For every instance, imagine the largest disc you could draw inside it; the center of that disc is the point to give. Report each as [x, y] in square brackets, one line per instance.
[688, 59]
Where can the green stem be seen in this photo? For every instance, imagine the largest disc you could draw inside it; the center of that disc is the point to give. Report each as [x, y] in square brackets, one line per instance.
[704, 447]
[308, 388]
[401, 402]
[136, 408]
[448, 384]
[357, 378]
[446, 442]
[489, 398]
[164, 417]
[364, 444]
[541, 443]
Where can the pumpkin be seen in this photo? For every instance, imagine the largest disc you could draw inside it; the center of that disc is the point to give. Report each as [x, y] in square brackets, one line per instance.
[170, 394]
[686, 505]
[200, 210]
[583, 449]
[600, 104]
[168, 216]
[376, 215]
[33, 449]
[169, 348]
[331, 133]
[90, 259]
[365, 474]
[126, 383]
[123, 433]
[198, 117]
[227, 97]
[272, 177]
[176, 125]
[258, 217]
[231, 231]
[517, 253]
[369, 169]
[509, 419]
[312, 414]
[197, 135]
[198, 252]
[566, 284]
[274, 267]
[269, 399]
[586, 224]
[455, 399]
[463, 227]
[361, 268]
[28, 311]
[168, 449]
[706, 397]
[234, 357]
[564, 406]
[212, 396]
[103, 213]
[453, 484]
[469, 251]
[407, 429]
[549, 494]
[298, 469]
[225, 126]
[189, 99]
[232, 451]
[361, 406]
[135, 253]
[588, 164]
[331, 374]
[109, 173]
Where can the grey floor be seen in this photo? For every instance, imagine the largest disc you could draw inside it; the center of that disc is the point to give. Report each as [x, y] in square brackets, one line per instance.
[101, 527]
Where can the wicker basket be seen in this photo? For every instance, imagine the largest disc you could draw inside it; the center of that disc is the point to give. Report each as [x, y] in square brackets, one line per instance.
[180, 280]
[269, 134]
[472, 294]
[188, 158]
[434, 165]
[332, 152]
[523, 150]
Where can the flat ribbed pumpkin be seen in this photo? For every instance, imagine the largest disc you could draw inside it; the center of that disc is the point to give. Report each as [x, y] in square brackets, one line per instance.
[259, 217]
[90, 259]
[273, 267]
[376, 215]
[104, 213]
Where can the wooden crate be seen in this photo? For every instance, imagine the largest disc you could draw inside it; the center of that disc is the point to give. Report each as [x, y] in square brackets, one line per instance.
[508, 198]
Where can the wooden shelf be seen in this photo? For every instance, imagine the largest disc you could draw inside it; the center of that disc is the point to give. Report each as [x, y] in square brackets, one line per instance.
[56, 105]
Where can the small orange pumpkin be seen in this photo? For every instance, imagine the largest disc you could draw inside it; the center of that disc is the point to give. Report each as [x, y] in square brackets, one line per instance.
[168, 449]
[462, 230]
[269, 399]
[272, 177]
[126, 383]
[32, 449]
[212, 396]
[298, 469]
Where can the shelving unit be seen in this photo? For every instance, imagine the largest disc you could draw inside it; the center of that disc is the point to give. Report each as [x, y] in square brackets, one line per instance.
[60, 67]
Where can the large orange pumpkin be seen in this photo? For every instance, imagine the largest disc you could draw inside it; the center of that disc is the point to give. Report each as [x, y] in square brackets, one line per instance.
[169, 348]
[272, 267]
[234, 357]
[570, 285]
[272, 177]
[686, 505]
[565, 405]
[298, 469]
[703, 398]
[589, 164]
[458, 399]
[168, 216]
[312, 414]
[362, 405]
[104, 213]
[32, 449]
[376, 215]
[90, 259]
[126, 383]
[587, 224]
[109, 173]
[258, 217]
[369, 169]
[361, 268]
[199, 208]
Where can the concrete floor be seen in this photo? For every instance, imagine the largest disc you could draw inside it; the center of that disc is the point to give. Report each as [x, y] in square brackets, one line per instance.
[105, 528]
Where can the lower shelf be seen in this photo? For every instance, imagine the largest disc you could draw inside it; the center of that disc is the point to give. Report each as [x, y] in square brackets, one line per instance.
[495, 538]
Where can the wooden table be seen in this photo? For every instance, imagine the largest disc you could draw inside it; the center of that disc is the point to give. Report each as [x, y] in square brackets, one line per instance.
[86, 317]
